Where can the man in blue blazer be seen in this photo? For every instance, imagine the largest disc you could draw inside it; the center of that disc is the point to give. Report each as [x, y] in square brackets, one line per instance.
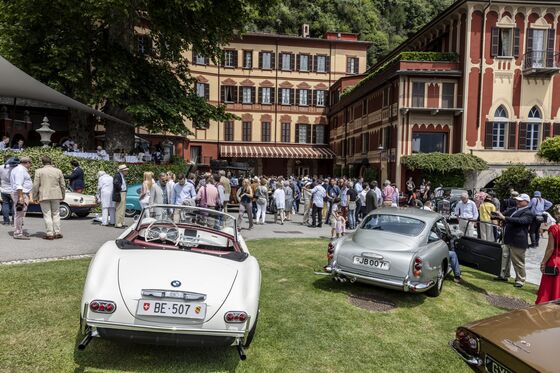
[76, 178]
[516, 238]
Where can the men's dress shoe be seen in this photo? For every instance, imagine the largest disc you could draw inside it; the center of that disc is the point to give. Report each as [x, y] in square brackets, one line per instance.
[518, 284]
[500, 279]
[58, 235]
[48, 237]
[21, 237]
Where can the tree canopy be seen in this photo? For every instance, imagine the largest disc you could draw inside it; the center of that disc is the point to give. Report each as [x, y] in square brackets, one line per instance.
[89, 51]
[386, 23]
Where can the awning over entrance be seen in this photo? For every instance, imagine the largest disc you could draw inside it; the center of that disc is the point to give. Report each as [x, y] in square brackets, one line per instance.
[276, 151]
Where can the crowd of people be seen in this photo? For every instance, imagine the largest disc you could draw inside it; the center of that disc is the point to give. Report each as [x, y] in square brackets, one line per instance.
[518, 222]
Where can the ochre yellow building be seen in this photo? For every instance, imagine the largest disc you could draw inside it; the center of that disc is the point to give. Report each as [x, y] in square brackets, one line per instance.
[278, 86]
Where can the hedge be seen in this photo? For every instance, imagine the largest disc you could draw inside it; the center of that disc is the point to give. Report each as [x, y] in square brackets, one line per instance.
[443, 162]
[91, 167]
[550, 149]
[517, 177]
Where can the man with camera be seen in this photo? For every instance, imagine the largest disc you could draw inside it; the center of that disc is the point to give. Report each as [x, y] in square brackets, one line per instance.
[21, 187]
[516, 230]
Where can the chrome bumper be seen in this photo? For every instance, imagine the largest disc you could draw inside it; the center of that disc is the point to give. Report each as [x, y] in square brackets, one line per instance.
[467, 358]
[157, 329]
[405, 285]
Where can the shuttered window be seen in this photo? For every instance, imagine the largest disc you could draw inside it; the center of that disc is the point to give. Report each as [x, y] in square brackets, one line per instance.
[247, 130]
[303, 134]
[319, 134]
[266, 60]
[418, 93]
[265, 131]
[285, 132]
[228, 130]
[228, 94]
[505, 42]
[448, 95]
[352, 65]
[229, 58]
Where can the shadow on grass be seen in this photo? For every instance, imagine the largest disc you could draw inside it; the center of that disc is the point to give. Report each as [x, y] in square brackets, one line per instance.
[529, 289]
[127, 356]
[401, 299]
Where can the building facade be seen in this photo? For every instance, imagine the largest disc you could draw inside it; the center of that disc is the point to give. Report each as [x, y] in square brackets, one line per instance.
[481, 78]
[278, 87]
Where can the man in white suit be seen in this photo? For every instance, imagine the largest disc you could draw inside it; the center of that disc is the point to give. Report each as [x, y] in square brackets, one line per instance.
[104, 196]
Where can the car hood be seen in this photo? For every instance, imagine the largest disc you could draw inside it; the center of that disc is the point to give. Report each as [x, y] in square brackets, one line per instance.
[384, 241]
[530, 334]
[156, 269]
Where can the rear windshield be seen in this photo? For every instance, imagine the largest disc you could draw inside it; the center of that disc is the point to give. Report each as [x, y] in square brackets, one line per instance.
[394, 224]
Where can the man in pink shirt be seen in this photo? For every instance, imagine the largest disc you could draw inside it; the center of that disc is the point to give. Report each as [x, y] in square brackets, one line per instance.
[388, 192]
[208, 195]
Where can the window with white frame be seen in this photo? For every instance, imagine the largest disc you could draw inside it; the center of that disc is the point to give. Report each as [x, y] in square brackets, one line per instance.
[303, 97]
[199, 59]
[286, 61]
[320, 98]
[321, 64]
[246, 95]
[265, 95]
[229, 59]
[303, 62]
[267, 60]
[533, 129]
[499, 128]
[352, 65]
[247, 59]
[200, 89]
[285, 96]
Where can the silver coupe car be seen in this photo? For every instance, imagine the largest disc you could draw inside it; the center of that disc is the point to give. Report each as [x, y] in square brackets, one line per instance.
[403, 249]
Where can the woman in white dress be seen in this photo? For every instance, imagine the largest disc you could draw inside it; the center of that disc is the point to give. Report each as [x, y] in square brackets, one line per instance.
[105, 197]
[279, 197]
[147, 185]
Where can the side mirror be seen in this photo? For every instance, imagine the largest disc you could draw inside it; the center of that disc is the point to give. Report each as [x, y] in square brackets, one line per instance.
[136, 217]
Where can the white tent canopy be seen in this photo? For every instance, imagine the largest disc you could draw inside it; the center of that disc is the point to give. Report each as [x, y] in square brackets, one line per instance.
[16, 83]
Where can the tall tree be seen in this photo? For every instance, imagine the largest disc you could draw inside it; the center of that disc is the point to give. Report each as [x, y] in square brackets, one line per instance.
[125, 57]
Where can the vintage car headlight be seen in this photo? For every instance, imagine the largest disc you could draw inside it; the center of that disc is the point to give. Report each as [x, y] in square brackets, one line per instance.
[469, 341]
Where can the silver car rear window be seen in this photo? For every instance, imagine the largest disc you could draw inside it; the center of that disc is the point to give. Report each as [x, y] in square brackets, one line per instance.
[394, 224]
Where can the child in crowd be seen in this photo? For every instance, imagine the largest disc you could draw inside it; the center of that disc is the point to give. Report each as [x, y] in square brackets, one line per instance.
[335, 210]
[340, 224]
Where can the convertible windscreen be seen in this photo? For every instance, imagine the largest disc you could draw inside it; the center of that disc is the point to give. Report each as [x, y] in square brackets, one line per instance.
[393, 224]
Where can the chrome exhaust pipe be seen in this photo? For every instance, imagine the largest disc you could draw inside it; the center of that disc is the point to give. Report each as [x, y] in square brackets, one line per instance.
[241, 351]
[83, 344]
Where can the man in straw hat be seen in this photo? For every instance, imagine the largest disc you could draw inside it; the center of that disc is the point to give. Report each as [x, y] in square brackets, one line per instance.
[119, 194]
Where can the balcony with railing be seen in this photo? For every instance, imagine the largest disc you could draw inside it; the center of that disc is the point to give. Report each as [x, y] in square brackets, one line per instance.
[541, 63]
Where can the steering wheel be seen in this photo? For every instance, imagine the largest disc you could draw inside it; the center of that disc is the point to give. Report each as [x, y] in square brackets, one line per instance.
[155, 233]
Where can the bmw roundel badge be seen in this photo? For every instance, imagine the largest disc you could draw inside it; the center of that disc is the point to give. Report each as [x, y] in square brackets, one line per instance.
[175, 283]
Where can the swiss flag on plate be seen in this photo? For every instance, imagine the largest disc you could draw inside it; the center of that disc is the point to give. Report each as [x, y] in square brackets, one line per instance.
[146, 306]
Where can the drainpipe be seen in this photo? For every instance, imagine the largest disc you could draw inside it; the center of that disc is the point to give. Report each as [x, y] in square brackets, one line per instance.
[219, 103]
[276, 94]
[482, 35]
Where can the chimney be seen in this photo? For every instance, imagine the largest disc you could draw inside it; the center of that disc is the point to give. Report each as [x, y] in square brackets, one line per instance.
[305, 30]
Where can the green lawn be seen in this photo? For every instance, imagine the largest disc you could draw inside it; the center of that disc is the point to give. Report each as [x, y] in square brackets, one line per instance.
[306, 322]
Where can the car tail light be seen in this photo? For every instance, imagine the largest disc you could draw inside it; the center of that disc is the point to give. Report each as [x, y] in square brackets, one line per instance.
[330, 251]
[417, 267]
[102, 306]
[235, 317]
[469, 342]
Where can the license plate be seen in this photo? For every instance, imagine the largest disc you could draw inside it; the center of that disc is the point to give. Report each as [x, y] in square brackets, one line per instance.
[493, 366]
[375, 263]
[171, 309]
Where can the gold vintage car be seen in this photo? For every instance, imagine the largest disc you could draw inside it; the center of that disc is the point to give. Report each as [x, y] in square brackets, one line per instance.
[526, 340]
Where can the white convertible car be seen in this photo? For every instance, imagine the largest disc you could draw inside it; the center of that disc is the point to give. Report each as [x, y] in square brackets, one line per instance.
[180, 276]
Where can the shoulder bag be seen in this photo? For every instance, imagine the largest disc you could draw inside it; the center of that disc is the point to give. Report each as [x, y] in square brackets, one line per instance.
[552, 270]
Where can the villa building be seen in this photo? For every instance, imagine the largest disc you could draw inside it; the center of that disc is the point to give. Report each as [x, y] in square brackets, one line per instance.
[277, 85]
[481, 78]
